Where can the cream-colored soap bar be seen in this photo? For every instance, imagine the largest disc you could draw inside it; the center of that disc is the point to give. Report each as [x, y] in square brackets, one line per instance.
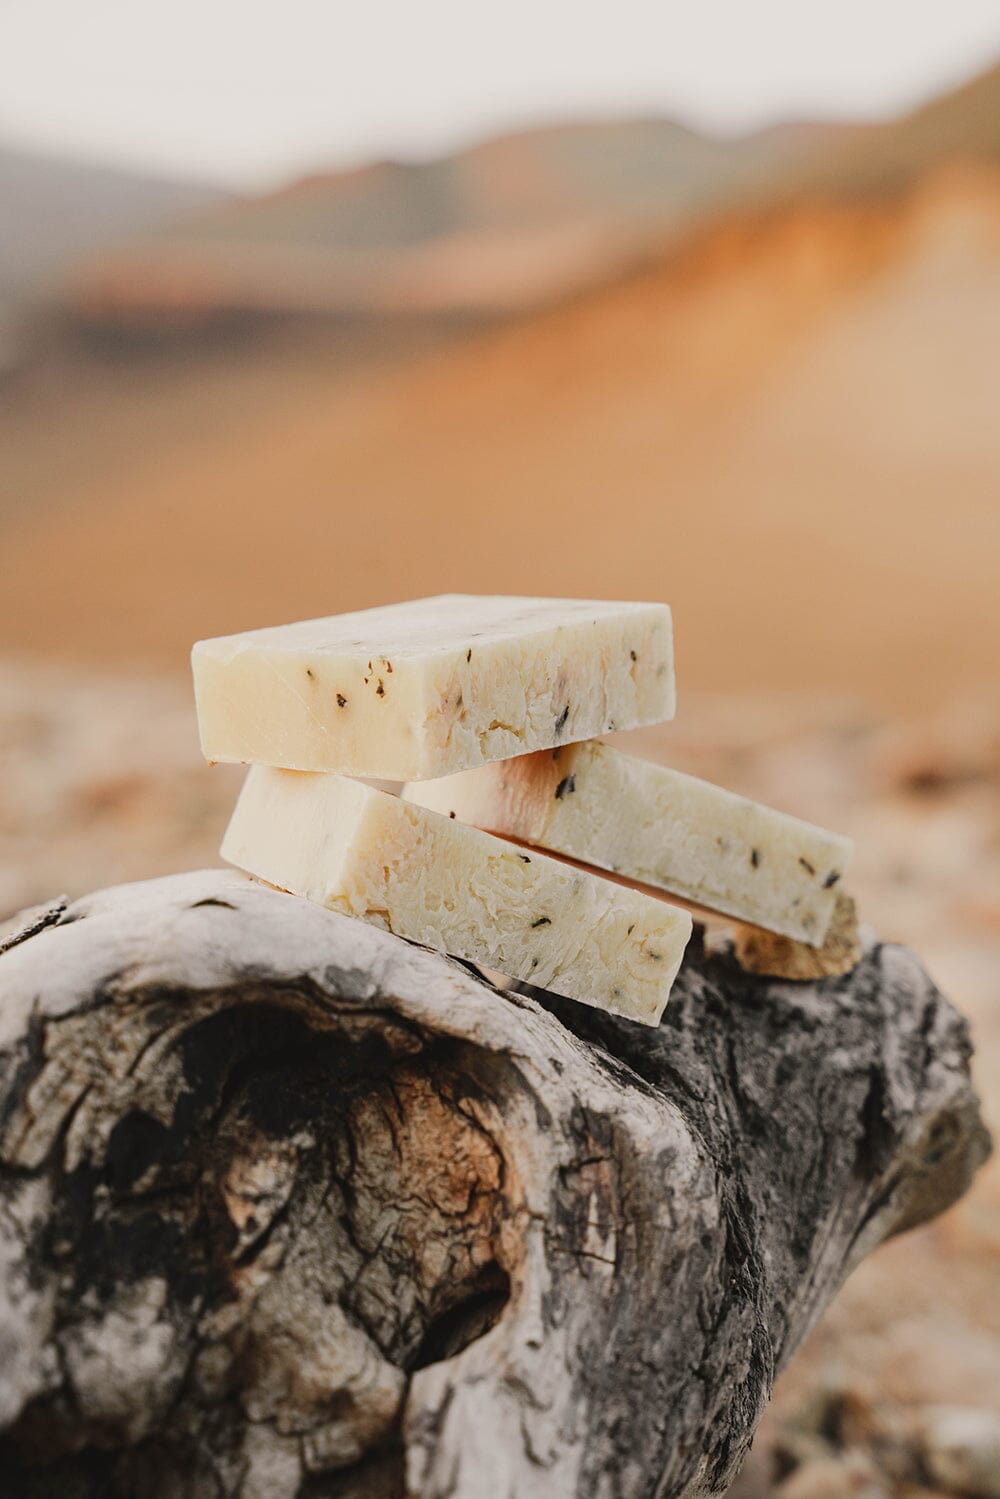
[438, 685]
[681, 834]
[454, 888]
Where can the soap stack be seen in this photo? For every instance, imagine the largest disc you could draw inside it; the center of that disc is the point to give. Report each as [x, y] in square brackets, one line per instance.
[485, 711]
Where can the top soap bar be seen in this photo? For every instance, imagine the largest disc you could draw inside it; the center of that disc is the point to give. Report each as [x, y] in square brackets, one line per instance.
[412, 691]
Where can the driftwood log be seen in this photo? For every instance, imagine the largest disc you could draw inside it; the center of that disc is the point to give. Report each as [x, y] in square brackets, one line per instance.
[289, 1207]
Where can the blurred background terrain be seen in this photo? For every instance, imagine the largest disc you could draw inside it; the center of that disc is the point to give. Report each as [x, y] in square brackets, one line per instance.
[753, 374]
[755, 377]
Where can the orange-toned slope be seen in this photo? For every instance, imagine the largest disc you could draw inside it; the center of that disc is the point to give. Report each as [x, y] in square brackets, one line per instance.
[787, 433]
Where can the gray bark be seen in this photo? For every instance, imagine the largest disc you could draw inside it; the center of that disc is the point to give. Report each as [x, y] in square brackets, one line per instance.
[289, 1207]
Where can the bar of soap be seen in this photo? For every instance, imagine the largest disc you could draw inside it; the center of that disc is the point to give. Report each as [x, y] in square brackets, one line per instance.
[451, 887]
[673, 831]
[438, 685]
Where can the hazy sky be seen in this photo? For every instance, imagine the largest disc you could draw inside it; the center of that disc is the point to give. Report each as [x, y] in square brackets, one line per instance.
[246, 92]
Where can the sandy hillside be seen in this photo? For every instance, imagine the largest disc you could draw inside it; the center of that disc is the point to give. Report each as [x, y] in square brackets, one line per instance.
[788, 431]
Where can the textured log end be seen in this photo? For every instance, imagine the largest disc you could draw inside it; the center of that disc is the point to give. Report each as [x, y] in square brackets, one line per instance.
[291, 1208]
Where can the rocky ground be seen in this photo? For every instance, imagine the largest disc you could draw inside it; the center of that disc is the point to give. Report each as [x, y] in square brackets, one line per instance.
[897, 1393]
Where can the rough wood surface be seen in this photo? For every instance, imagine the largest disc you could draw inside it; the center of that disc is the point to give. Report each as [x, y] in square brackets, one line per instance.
[289, 1207]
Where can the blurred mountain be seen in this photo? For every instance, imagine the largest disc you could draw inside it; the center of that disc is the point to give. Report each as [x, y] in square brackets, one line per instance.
[513, 223]
[54, 211]
[509, 224]
[781, 418]
[960, 126]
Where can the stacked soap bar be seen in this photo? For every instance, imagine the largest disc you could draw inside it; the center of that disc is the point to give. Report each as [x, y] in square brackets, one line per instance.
[489, 708]
[672, 831]
[436, 881]
[420, 690]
